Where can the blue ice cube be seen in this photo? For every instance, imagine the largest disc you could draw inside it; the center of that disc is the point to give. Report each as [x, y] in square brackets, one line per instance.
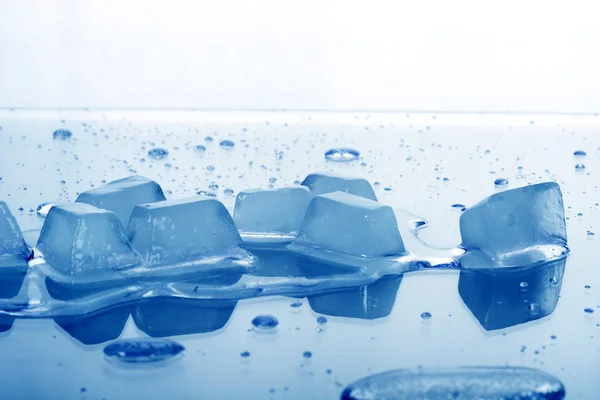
[515, 220]
[183, 231]
[122, 195]
[271, 212]
[78, 238]
[342, 222]
[322, 183]
[12, 244]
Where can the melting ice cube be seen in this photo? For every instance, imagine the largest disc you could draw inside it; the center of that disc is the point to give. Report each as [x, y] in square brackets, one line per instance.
[322, 183]
[80, 238]
[122, 195]
[12, 244]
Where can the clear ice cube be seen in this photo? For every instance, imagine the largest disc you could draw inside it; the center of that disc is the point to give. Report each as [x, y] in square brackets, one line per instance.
[271, 212]
[515, 220]
[12, 244]
[183, 231]
[78, 238]
[122, 195]
[322, 183]
[346, 223]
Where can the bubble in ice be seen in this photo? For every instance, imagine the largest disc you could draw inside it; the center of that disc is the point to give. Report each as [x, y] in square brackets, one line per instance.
[588, 310]
[157, 153]
[226, 144]
[476, 382]
[524, 285]
[501, 182]
[553, 280]
[307, 354]
[321, 320]
[140, 351]
[342, 154]
[534, 308]
[200, 148]
[579, 153]
[425, 315]
[62, 134]
[264, 323]
[43, 209]
[579, 167]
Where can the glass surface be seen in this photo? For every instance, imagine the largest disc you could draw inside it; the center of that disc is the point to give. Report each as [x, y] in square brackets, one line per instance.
[406, 157]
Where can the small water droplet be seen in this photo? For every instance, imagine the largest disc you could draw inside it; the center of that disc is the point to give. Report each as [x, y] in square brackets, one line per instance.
[264, 323]
[579, 167]
[426, 315]
[205, 193]
[228, 192]
[342, 154]
[418, 224]
[272, 179]
[208, 139]
[142, 350]
[62, 134]
[590, 233]
[579, 153]
[307, 354]
[245, 354]
[44, 208]
[553, 280]
[524, 286]
[296, 306]
[501, 182]
[587, 287]
[213, 186]
[588, 310]
[534, 308]
[200, 148]
[321, 320]
[158, 153]
[226, 144]
[457, 206]
[210, 168]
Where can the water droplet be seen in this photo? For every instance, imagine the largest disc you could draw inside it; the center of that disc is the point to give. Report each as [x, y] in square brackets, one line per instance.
[534, 308]
[296, 306]
[210, 168]
[588, 310]
[265, 323]
[142, 350]
[553, 280]
[590, 233]
[158, 153]
[553, 337]
[20, 209]
[524, 286]
[245, 354]
[200, 148]
[226, 144]
[213, 186]
[342, 154]
[579, 153]
[321, 320]
[307, 354]
[62, 134]
[587, 287]
[425, 315]
[228, 192]
[457, 206]
[205, 193]
[418, 224]
[579, 167]
[208, 139]
[272, 179]
[44, 208]
[501, 182]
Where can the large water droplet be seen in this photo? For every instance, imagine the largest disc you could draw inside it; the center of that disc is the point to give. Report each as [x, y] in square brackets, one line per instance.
[226, 144]
[264, 323]
[501, 182]
[44, 208]
[142, 350]
[62, 134]
[579, 153]
[342, 154]
[158, 153]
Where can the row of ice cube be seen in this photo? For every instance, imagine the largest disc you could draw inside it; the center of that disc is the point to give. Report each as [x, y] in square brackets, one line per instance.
[327, 212]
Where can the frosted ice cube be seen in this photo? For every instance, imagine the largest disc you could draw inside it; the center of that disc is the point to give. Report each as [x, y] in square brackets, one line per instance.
[122, 195]
[78, 238]
[183, 231]
[278, 212]
[342, 222]
[12, 244]
[515, 220]
[322, 183]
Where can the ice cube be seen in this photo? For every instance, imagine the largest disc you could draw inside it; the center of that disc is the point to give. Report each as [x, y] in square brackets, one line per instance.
[322, 183]
[183, 231]
[271, 212]
[12, 244]
[122, 195]
[503, 297]
[78, 238]
[350, 224]
[515, 220]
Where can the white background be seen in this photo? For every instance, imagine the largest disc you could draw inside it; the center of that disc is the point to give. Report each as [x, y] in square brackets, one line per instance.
[418, 55]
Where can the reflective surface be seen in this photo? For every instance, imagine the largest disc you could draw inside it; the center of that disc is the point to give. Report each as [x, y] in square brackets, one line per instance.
[369, 329]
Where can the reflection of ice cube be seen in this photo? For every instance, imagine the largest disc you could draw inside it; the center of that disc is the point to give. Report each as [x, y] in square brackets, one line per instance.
[271, 212]
[503, 297]
[79, 238]
[342, 222]
[322, 183]
[12, 244]
[96, 328]
[515, 220]
[183, 231]
[122, 195]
